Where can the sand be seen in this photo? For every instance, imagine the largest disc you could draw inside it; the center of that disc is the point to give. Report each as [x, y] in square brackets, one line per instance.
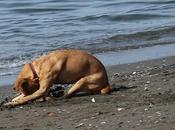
[144, 99]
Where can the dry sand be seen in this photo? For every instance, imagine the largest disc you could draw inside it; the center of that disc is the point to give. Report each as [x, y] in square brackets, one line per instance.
[144, 100]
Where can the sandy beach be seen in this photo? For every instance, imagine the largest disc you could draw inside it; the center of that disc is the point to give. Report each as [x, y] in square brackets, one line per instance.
[144, 100]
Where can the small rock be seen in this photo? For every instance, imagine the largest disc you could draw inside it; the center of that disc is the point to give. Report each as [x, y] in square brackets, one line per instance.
[120, 124]
[92, 117]
[159, 114]
[99, 113]
[138, 67]
[150, 105]
[85, 119]
[36, 114]
[146, 109]
[120, 109]
[146, 88]
[93, 99]
[79, 125]
[141, 121]
[147, 82]
[133, 73]
[149, 116]
[156, 122]
[103, 122]
[51, 114]
[117, 74]
[90, 125]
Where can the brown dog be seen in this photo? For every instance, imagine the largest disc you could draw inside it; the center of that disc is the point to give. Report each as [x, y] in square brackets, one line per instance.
[60, 67]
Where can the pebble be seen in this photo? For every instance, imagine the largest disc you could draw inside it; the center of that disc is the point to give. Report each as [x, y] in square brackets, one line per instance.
[146, 109]
[158, 88]
[156, 122]
[146, 88]
[117, 74]
[120, 109]
[93, 100]
[51, 114]
[159, 114]
[149, 116]
[90, 125]
[79, 125]
[103, 122]
[133, 73]
[150, 105]
[147, 82]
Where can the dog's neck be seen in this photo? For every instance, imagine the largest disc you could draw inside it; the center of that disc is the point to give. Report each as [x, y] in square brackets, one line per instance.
[35, 75]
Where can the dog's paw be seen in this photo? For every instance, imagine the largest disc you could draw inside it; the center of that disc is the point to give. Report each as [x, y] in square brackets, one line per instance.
[9, 105]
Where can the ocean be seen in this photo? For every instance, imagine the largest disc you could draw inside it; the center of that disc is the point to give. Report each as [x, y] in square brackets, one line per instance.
[31, 28]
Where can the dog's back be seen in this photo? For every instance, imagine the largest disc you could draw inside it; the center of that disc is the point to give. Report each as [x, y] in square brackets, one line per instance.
[76, 64]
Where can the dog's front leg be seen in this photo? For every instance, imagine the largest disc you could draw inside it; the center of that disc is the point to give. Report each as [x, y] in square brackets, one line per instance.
[18, 97]
[39, 93]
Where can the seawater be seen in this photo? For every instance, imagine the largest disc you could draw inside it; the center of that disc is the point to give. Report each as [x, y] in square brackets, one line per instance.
[31, 28]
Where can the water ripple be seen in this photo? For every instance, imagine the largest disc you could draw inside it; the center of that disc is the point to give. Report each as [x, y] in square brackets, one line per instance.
[32, 28]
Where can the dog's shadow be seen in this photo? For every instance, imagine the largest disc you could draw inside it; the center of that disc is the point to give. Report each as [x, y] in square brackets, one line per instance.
[59, 91]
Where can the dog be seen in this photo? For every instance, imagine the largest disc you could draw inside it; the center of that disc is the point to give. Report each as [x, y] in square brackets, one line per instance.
[60, 67]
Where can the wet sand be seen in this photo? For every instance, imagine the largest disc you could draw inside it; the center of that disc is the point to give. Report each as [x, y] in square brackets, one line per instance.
[144, 100]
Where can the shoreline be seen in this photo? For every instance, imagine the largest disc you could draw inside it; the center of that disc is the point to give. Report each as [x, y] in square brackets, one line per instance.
[144, 100]
[111, 58]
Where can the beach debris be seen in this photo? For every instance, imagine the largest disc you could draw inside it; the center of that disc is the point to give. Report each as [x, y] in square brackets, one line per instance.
[85, 119]
[103, 122]
[92, 117]
[150, 105]
[120, 109]
[59, 127]
[79, 125]
[51, 114]
[37, 114]
[21, 107]
[140, 121]
[90, 125]
[146, 109]
[156, 122]
[93, 100]
[158, 113]
[117, 74]
[133, 73]
[56, 91]
[146, 88]
[159, 88]
[148, 82]
[149, 116]
[138, 67]
[99, 113]
[120, 124]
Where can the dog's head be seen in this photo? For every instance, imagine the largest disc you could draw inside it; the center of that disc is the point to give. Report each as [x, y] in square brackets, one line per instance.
[26, 86]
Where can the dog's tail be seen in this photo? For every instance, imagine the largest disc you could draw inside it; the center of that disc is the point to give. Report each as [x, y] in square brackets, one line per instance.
[121, 87]
[108, 89]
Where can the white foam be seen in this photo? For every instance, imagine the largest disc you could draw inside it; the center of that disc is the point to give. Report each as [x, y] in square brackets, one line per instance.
[7, 73]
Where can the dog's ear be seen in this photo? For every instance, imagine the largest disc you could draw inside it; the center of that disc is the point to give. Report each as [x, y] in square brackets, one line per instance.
[25, 85]
[29, 86]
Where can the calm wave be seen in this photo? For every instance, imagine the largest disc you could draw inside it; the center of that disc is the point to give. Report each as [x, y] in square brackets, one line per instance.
[32, 28]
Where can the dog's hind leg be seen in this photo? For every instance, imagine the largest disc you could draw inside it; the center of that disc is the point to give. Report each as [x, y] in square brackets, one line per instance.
[76, 87]
[92, 83]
